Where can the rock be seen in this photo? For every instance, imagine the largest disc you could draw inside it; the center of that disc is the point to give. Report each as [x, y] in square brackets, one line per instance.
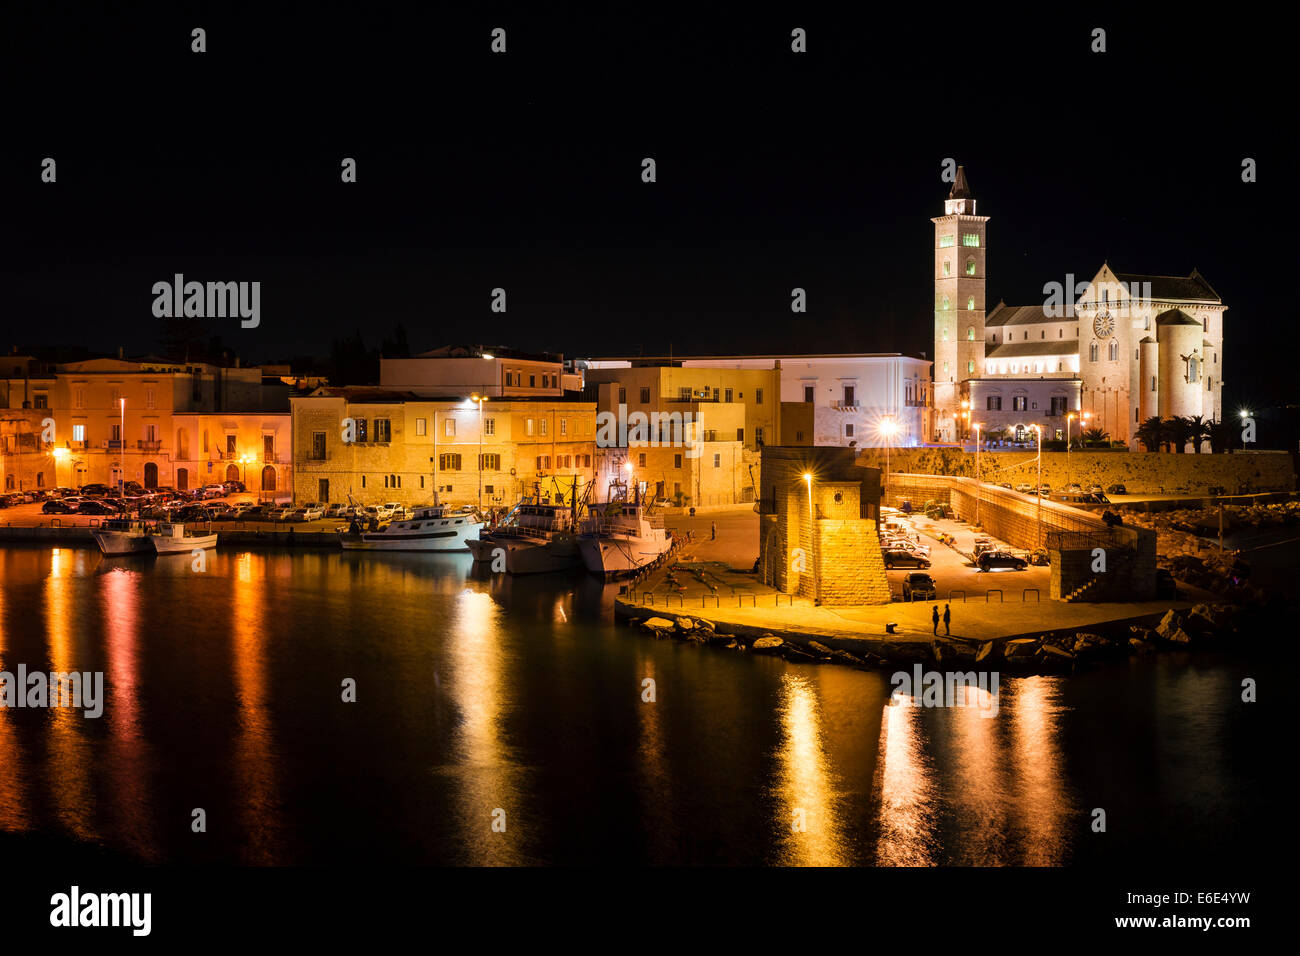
[1052, 651]
[951, 652]
[795, 652]
[767, 644]
[735, 645]
[685, 624]
[704, 625]
[844, 657]
[1179, 636]
[985, 650]
[1020, 649]
[821, 649]
[1139, 646]
[1172, 621]
[1090, 644]
[715, 638]
[657, 624]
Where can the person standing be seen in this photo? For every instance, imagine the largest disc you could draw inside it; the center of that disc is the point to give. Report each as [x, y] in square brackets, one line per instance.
[713, 531]
[947, 619]
[935, 618]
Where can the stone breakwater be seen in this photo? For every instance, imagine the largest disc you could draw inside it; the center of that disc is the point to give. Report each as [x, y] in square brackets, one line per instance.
[1202, 627]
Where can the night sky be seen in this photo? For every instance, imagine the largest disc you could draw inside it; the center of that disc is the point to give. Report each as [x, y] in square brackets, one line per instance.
[522, 171]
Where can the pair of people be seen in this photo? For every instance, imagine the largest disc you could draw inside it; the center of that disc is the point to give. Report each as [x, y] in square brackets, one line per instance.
[947, 620]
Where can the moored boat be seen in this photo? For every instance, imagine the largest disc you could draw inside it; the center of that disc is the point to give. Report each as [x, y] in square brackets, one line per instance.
[122, 537]
[430, 528]
[177, 538]
[620, 538]
[532, 539]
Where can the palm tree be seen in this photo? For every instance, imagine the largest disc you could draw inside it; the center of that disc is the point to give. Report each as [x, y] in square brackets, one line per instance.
[1221, 435]
[1151, 433]
[1200, 431]
[1178, 431]
[1094, 436]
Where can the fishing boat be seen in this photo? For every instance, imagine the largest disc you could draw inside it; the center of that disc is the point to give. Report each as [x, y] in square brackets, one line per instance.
[122, 536]
[621, 537]
[177, 538]
[533, 538]
[430, 528]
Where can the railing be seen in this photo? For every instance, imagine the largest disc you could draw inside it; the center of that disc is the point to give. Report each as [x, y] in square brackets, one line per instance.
[988, 595]
[148, 445]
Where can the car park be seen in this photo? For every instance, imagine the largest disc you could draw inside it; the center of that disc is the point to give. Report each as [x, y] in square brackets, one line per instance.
[996, 560]
[1116, 489]
[919, 586]
[897, 558]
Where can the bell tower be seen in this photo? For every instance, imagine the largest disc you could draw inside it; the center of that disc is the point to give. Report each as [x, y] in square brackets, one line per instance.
[960, 248]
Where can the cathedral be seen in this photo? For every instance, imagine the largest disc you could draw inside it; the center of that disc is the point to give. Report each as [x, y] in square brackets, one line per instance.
[1121, 348]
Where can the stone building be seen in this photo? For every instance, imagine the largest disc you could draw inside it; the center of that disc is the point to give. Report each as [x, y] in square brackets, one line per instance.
[817, 528]
[375, 445]
[1121, 347]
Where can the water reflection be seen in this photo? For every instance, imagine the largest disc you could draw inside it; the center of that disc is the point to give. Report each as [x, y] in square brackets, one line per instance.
[806, 797]
[1041, 802]
[906, 787]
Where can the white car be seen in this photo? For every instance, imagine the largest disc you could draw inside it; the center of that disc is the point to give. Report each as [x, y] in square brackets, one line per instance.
[279, 513]
[311, 511]
[337, 510]
[900, 544]
[1025, 488]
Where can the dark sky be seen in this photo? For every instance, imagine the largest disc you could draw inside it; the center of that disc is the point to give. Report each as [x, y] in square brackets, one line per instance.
[523, 171]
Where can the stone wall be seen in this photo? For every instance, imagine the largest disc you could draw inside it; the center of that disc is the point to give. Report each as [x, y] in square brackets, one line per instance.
[853, 569]
[1140, 472]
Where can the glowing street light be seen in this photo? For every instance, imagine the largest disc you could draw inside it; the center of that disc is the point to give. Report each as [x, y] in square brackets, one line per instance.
[812, 537]
[1038, 430]
[121, 450]
[888, 428]
[480, 399]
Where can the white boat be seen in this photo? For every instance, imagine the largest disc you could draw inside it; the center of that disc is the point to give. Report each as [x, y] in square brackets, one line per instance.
[122, 537]
[619, 538]
[533, 538]
[430, 528]
[176, 538]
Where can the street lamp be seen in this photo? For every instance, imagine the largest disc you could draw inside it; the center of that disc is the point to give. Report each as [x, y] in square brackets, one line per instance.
[1068, 475]
[480, 399]
[888, 428]
[121, 452]
[1038, 430]
[629, 468]
[979, 483]
[812, 538]
[244, 460]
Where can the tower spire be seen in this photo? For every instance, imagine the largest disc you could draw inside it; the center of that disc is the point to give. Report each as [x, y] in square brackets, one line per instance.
[960, 188]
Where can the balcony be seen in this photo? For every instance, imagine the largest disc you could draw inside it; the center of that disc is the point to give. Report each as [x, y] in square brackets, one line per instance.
[843, 406]
[153, 446]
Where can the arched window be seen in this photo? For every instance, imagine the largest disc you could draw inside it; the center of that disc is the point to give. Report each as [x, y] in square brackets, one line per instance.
[970, 368]
[945, 333]
[970, 302]
[970, 266]
[947, 267]
[970, 333]
[1193, 370]
[1153, 383]
[1092, 352]
[945, 303]
[1113, 352]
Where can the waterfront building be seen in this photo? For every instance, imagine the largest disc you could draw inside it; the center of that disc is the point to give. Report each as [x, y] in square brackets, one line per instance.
[497, 372]
[372, 444]
[152, 421]
[1127, 347]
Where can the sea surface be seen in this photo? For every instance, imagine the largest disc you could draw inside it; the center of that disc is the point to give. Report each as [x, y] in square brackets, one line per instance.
[503, 720]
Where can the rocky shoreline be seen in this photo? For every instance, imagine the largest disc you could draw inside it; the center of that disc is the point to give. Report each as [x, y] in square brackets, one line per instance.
[1202, 627]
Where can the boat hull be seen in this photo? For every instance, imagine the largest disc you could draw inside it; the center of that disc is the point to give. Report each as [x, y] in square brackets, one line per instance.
[621, 555]
[123, 542]
[442, 539]
[183, 545]
[527, 555]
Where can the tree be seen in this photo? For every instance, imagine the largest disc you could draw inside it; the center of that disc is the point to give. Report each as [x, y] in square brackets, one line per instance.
[1221, 435]
[1094, 436]
[1151, 433]
[1200, 431]
[1178, 431]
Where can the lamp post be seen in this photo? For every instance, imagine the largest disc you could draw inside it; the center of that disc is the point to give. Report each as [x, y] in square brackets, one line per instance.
[1245, 413]
[629, 468]
[1038, 430]
[121, 452]
[812, 538]
[888, 428]
[1068, 474]
[979, 483]
[480, 399]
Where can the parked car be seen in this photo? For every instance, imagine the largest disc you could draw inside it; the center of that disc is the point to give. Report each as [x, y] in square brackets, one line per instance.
[1166, 586]
[1005, 484]
[59, 506]
[897, 558]
[982, 545]
[1000, 560]
[233, 487]
[311, 511]
[190, 513]
[919, 586]
[1043, 491]
[220, 511]
[1025, 488]
[1097, 498]
[95, 490]
[1096, 490]
[278, 513]
[336, 510]
[912, 546]
[95, 506]
[214, 491]
[1074, 488]
[1116, 489]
